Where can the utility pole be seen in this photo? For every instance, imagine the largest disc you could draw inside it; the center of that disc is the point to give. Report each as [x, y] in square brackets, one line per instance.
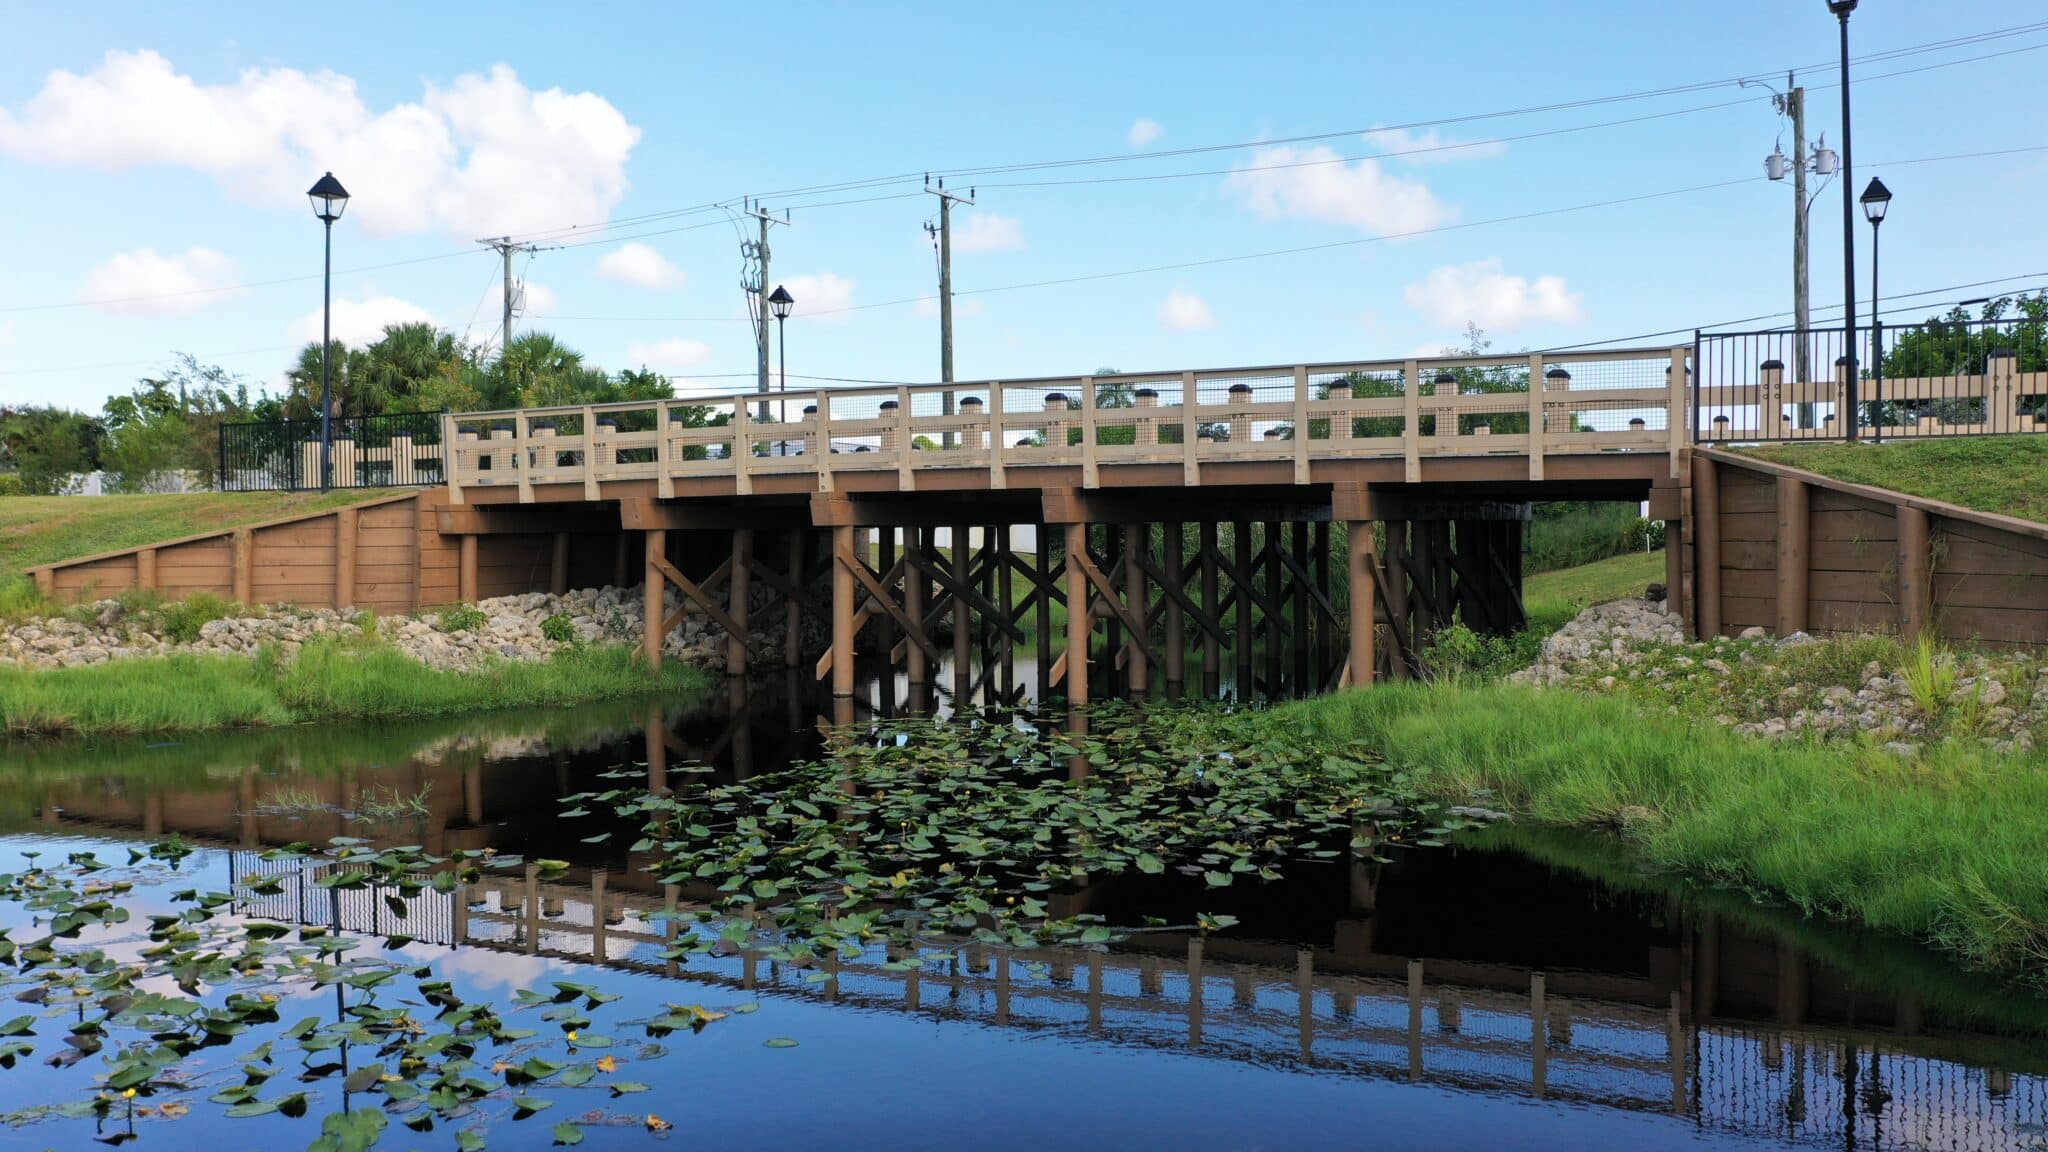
[505, 247]
[754, 281]
[943, 235]
[1795, 107]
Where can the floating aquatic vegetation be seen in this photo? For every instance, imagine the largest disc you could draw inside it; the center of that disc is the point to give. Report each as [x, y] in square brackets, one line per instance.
[917, 831]
[195, 1009]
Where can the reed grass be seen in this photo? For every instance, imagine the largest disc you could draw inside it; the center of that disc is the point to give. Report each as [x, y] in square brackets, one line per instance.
[338, 679]
[1949, 848]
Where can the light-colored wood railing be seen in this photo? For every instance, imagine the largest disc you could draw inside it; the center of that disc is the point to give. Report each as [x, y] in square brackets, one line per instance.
[1529, 405]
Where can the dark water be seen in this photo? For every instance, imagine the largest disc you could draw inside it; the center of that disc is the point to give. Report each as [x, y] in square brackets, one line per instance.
[1513, 991]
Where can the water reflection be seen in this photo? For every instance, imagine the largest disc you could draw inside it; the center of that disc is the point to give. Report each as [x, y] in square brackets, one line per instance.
[1500, 967]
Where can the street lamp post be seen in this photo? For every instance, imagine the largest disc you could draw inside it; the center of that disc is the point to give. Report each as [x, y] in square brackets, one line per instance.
[780, 302]
[329, 199]
[1841, 9]
[1875, 200]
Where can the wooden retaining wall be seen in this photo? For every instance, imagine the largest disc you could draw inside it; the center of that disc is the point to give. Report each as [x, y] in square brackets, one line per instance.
[1791, 551]
[391, 556]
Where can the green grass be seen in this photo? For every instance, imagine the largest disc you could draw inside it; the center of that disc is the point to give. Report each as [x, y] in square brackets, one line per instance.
[1989, 473]
[327, 681]
[1951, 848]
[1551, 598]
[44, 529]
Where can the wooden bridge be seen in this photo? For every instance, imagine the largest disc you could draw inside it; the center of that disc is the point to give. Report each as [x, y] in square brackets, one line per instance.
[1159, 501]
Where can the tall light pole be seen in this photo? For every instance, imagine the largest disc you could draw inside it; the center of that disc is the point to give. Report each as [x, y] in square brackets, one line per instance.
[329, 199]
[1841, 9]
[1875, 200]
[780, 302]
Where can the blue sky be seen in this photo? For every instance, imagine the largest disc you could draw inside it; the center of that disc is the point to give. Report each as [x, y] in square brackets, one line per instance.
[148, 151]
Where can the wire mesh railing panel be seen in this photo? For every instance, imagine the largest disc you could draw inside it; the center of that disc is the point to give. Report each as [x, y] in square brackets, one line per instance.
[393, 450]
[1936, 378]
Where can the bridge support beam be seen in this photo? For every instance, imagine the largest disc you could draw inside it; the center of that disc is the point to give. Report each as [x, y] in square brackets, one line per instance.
[843, 560]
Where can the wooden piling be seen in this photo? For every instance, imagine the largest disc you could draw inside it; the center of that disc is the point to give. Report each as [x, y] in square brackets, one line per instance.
[1212, 671]
[1361, 565]
[345, 558]
[1136, 601]
[914, 554]
[962, 557]
[842, 611]
[739, 589]
[1241, 643]
[558, 565]
[1172, 536]
[1077, 616]
[651, 608]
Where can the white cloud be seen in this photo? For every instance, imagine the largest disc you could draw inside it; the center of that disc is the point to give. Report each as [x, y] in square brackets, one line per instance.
[483, 155]
[1183, 311]
[1144, 130]
[821, 296]
[929, 306]
[359, 322]
[1317, 184]
[1426, 147]
[639, 265]
[185, 282]
[1480, 293]
[989, 232]
[669, 355]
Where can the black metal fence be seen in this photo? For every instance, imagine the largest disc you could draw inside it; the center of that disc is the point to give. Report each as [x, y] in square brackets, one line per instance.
[1934, 378]
[394, 450]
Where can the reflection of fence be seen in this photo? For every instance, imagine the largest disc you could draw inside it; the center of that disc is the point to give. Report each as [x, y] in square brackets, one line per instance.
[394, 450]
[1494, 1030]
[1939, 378]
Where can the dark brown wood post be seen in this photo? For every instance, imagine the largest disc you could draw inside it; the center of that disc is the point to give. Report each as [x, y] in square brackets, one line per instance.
[793, 610]
[1706, 534]
[1794, 554]
[914, 554]
[1136, 602]
[558, 565]
[1241, 643]
[1212, 664]
[1304, 635]
[963, 614]
[1171, 537]
[465, 570]
[1276, 604]
[1915, 563]
[1042, 608]
[885, 559]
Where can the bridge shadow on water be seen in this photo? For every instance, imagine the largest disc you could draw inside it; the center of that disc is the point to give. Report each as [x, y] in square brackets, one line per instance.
[1512, 965]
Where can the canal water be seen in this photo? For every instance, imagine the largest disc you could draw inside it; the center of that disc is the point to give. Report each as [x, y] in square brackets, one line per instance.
[1513, 990]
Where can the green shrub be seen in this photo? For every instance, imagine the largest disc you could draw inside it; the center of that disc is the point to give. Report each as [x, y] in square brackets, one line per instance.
[11, 485]
[559, 628]
[21, 600]
[1569, 535]
[182, 619]
[1457, 654]
[463, 618]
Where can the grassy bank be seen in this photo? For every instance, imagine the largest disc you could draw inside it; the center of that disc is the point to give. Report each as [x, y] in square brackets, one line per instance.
[1988, 473]
[325, 682]
[1950, 848]
[42, 529]
[1551, 598]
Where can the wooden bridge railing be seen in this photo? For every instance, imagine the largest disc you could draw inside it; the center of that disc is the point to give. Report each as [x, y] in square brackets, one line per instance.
[1529, 405]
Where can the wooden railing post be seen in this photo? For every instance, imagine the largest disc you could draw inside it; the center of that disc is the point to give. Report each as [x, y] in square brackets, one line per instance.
[592, 446]
[904, 441]
[1678, 411]
[824, 447]
[1088, 476]
[451, 458]
[1301, 425]
[996, 478]
[522, 455]
[1190, 431]
[664, 452]
[1536, 416]
[1411, 421]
